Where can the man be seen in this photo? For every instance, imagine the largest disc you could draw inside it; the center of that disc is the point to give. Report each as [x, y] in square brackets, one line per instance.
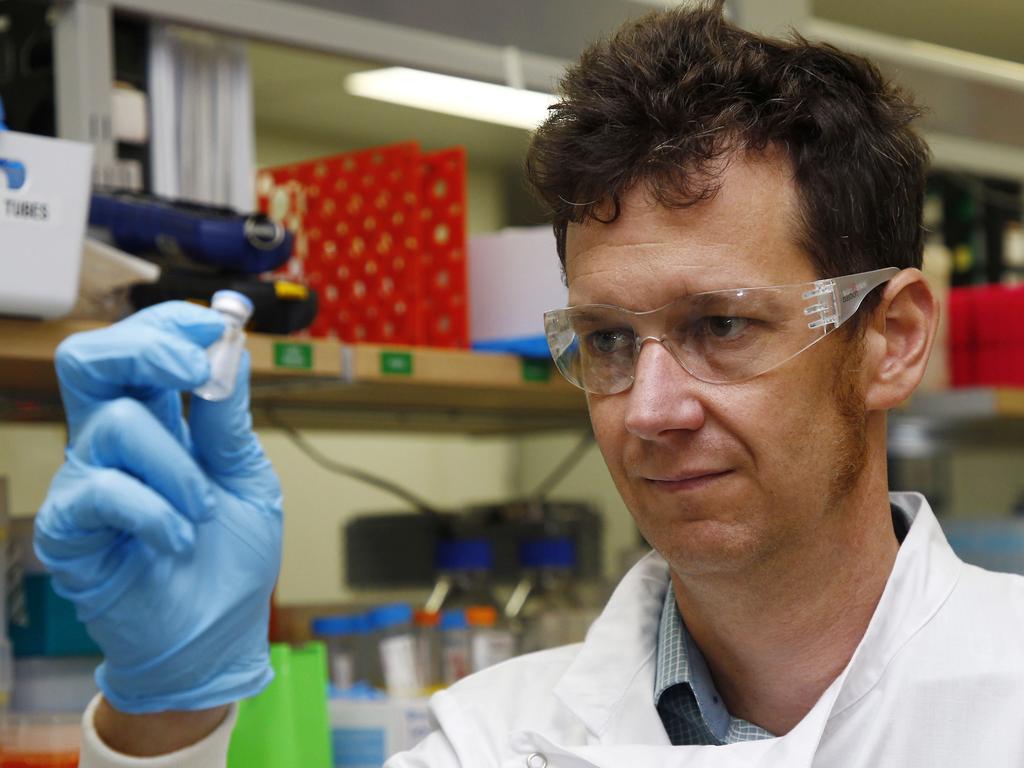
[740, 224]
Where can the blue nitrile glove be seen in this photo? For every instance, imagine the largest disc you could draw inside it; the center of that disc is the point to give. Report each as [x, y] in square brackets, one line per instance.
[165, 535]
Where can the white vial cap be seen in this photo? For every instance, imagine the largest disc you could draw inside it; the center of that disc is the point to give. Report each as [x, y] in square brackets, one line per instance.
[232, 303]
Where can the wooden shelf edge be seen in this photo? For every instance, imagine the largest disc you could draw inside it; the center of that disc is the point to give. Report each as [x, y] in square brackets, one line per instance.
[1010, 402]
[364, 384]
[968, 403]
[377, 363]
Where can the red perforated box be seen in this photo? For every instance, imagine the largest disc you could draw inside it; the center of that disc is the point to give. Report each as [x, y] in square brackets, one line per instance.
[360, 241]
[444, 305]
[987, 336]
[963, 343]
[1000, 313]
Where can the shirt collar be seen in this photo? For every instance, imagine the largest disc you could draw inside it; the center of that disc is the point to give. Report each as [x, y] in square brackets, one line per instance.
[681, 662]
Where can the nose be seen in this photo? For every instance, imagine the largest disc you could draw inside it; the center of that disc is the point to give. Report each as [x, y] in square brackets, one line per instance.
[663, 396]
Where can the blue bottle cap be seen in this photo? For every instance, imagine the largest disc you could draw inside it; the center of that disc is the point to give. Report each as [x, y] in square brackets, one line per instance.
[464, 555]
[361, 624]
[555, 552]
[454, 618]
[333, 626]
[387, 616]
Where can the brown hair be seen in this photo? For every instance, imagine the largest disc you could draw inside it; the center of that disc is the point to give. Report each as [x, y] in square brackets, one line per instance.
[671, 94]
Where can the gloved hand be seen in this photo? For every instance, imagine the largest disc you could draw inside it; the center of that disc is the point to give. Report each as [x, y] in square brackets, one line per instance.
[166, 535]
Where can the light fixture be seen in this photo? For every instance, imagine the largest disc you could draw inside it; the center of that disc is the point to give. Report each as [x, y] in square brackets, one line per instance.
[474, 99]
[936, 59]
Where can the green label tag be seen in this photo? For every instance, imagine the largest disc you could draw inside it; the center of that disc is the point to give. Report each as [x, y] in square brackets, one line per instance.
[290, 354]
[396, 363]
[536, 370]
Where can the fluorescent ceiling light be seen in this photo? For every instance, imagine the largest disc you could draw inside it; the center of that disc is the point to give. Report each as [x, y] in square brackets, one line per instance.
[452, 95]
[960, 64]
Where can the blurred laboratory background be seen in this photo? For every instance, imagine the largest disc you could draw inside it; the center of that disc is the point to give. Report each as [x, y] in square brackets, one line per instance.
[355, 169]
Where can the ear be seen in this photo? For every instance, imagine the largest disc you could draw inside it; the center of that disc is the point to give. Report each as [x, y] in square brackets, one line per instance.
[899, 340]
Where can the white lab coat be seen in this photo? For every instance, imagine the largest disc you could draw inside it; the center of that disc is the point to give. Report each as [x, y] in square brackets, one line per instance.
[936, 682]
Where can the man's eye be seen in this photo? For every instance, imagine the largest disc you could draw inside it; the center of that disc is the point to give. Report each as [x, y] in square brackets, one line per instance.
[723, 327]
[606, 342]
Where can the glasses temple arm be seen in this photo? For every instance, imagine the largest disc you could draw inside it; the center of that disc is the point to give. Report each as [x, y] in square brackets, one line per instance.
[839, 298]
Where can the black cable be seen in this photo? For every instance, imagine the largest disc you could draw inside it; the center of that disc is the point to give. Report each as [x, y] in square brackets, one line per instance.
[564, 467]
[349, 471]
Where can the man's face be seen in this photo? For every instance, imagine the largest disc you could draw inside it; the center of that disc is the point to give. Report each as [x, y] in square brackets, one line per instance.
[719, 477]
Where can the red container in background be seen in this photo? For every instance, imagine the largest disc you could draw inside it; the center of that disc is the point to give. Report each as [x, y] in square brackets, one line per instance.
[380, 235]
[443, 308]
[987, 336]
[962, 338]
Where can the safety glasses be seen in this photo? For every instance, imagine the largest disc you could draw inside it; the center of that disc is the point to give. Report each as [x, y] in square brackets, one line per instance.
[719, 336]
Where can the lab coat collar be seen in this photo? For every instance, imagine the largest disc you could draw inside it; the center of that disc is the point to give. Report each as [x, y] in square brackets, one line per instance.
[615, 668]
[922, 579]
[616, 665]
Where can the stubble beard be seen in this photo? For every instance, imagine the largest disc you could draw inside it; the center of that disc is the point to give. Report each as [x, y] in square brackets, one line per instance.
[851, 445]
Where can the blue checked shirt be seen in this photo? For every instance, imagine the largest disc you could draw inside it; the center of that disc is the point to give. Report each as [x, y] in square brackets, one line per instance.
[690, 708]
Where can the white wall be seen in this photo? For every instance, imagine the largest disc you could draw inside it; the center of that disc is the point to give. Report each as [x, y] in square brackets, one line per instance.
[30, 454]
[448, 471]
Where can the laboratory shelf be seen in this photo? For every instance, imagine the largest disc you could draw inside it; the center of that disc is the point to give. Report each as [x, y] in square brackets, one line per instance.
[325, 383]
[936, 422]
[972, 403]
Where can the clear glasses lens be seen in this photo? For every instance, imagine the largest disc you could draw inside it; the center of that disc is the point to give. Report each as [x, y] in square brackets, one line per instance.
[720, 336]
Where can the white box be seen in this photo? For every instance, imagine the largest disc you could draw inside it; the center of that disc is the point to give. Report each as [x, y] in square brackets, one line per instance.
[514, 278]
[44, 203]
[364, 733]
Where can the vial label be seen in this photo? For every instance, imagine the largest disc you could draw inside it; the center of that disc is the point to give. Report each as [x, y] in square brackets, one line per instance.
[490, 647]
[342, 671]
[398, 658]
[455, 660]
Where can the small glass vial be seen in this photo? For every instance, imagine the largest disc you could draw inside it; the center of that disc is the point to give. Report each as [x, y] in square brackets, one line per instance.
[455, 661]
[428, 649]
[224, 354]
[396, 645]
[340, 635]
[489, 644]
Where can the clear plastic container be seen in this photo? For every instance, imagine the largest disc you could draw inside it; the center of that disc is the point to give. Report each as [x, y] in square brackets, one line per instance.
[40, 740]
[396, 645]
[464, 568]
[489, 644]
[455, 651]
[225, 353]
[545, 609]
[428, 649]
[341, 635]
